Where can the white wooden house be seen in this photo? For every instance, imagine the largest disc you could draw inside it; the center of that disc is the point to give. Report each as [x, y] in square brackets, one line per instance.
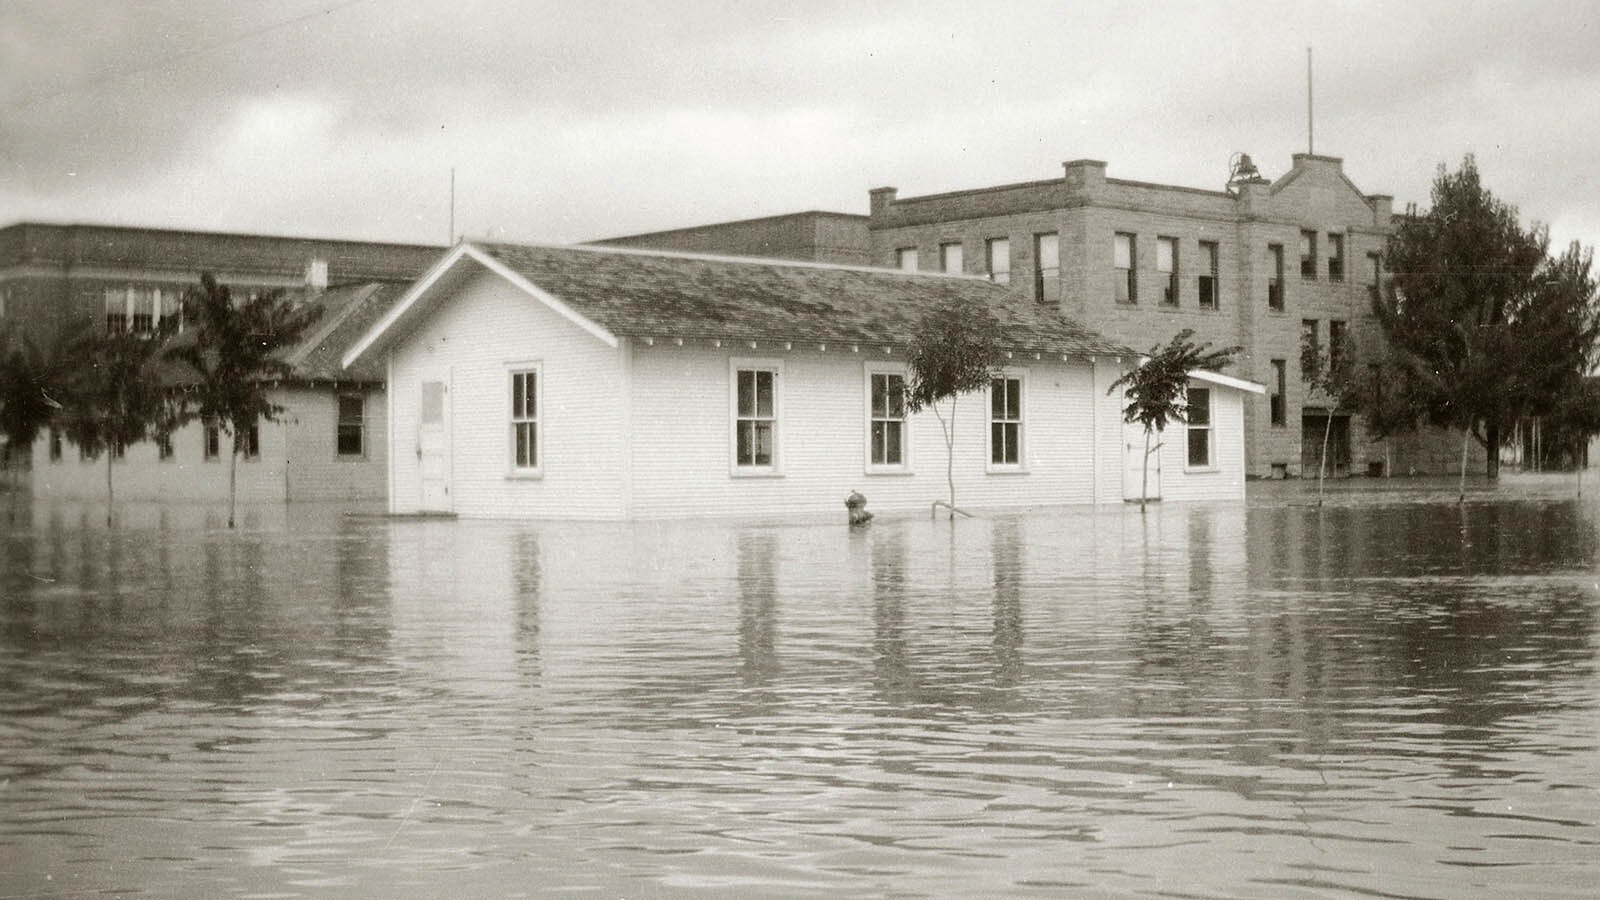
[581, 382]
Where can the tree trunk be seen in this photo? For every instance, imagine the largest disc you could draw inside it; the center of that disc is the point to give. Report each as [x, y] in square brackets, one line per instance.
[1144, 473]
[1492, 439]
[1322, 466]
[1466, 436]
[949, 450]
[233, 477]
[111, 494]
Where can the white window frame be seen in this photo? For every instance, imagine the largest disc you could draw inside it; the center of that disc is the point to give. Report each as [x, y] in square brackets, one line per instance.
[1021, 465]
[513, 422]
[746, 364]
[903, 467]
[1210, 428]
[997, 257]
[360, 423]
[951, 258]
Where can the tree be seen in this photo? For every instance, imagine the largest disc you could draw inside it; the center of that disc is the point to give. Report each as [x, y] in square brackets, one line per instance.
[955, 350]
[236, 353]
[113, 398]
[1456, 313]
[1156, 389]
[1329, 374]
[30, 381]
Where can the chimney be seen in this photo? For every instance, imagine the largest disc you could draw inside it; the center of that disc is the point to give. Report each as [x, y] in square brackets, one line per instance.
[1382, 209]
[1084, 174]
[879, 200]
[316, 275]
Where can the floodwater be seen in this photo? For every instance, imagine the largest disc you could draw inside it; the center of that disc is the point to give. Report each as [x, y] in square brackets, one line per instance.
[1391, 696]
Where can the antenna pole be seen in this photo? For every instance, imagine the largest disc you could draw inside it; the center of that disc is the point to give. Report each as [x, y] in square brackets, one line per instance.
[1311, 140]
[452, 240]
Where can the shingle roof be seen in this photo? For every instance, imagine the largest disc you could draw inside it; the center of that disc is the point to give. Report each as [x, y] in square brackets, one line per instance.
[665, 295]
[347, 313]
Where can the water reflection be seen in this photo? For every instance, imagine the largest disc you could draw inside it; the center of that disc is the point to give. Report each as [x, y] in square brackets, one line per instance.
[1198, 701]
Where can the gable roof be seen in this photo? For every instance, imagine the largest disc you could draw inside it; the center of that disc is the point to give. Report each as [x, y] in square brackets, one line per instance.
[614, 292]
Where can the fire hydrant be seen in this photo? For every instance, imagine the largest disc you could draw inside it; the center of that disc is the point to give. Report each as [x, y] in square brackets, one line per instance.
[857, 505]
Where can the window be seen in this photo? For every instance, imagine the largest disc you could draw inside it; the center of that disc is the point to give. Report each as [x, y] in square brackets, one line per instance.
[886, 444]
[1208, 277]
[1005, 421]
[117, 302]
[950, 258]
[55, 445]
[1335, 257]
[142, 310]
[1280, 387]
[350, 430]
[905, 259]
[755, 421]
[1275, 277]
[1124, 250]
[524, 420]
[1167, 264]
[1338, 338]
[1310, 350]
[1308, 255]
[250, 445]
[1375, 278]
[1199, 427]
[1047, 269]
[211, 441]
[998, 253]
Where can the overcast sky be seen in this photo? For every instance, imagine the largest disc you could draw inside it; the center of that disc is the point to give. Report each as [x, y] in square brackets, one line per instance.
[577, 120]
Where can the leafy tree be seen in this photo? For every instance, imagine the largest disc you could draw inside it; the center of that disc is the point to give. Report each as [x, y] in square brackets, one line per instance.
[30, 380]
[235, 350]
[1156, 389]
[1458, 311]
[113, 398]
[955, 350]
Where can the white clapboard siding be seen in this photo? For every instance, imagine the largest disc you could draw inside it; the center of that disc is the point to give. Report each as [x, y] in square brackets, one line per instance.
[682, 427]
[486, 330]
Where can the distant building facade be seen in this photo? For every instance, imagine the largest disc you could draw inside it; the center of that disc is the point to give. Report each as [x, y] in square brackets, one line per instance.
[815, 236]
[1285, 269]
[67, 276]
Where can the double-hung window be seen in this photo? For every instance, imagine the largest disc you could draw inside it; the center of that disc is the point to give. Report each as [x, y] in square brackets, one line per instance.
[350, 431]
[1047, 267]
[1005, 422]
[250, 442]
[886, 413]
[210, 440]
[1124, 252]
[1198, 425]
[1167, 265]
[1275, 277]
[998, 251]
[756, 407]
[1335, 257]
[1280, 390]
[1208, 275]
[950, 258]
[1308, 255]
[526, 446]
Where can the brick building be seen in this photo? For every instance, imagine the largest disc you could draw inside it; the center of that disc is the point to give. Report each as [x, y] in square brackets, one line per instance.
[815, 236]
[1273, 267]
[56, 276]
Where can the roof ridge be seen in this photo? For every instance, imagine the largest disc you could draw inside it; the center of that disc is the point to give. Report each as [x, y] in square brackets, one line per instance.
[722, 258]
